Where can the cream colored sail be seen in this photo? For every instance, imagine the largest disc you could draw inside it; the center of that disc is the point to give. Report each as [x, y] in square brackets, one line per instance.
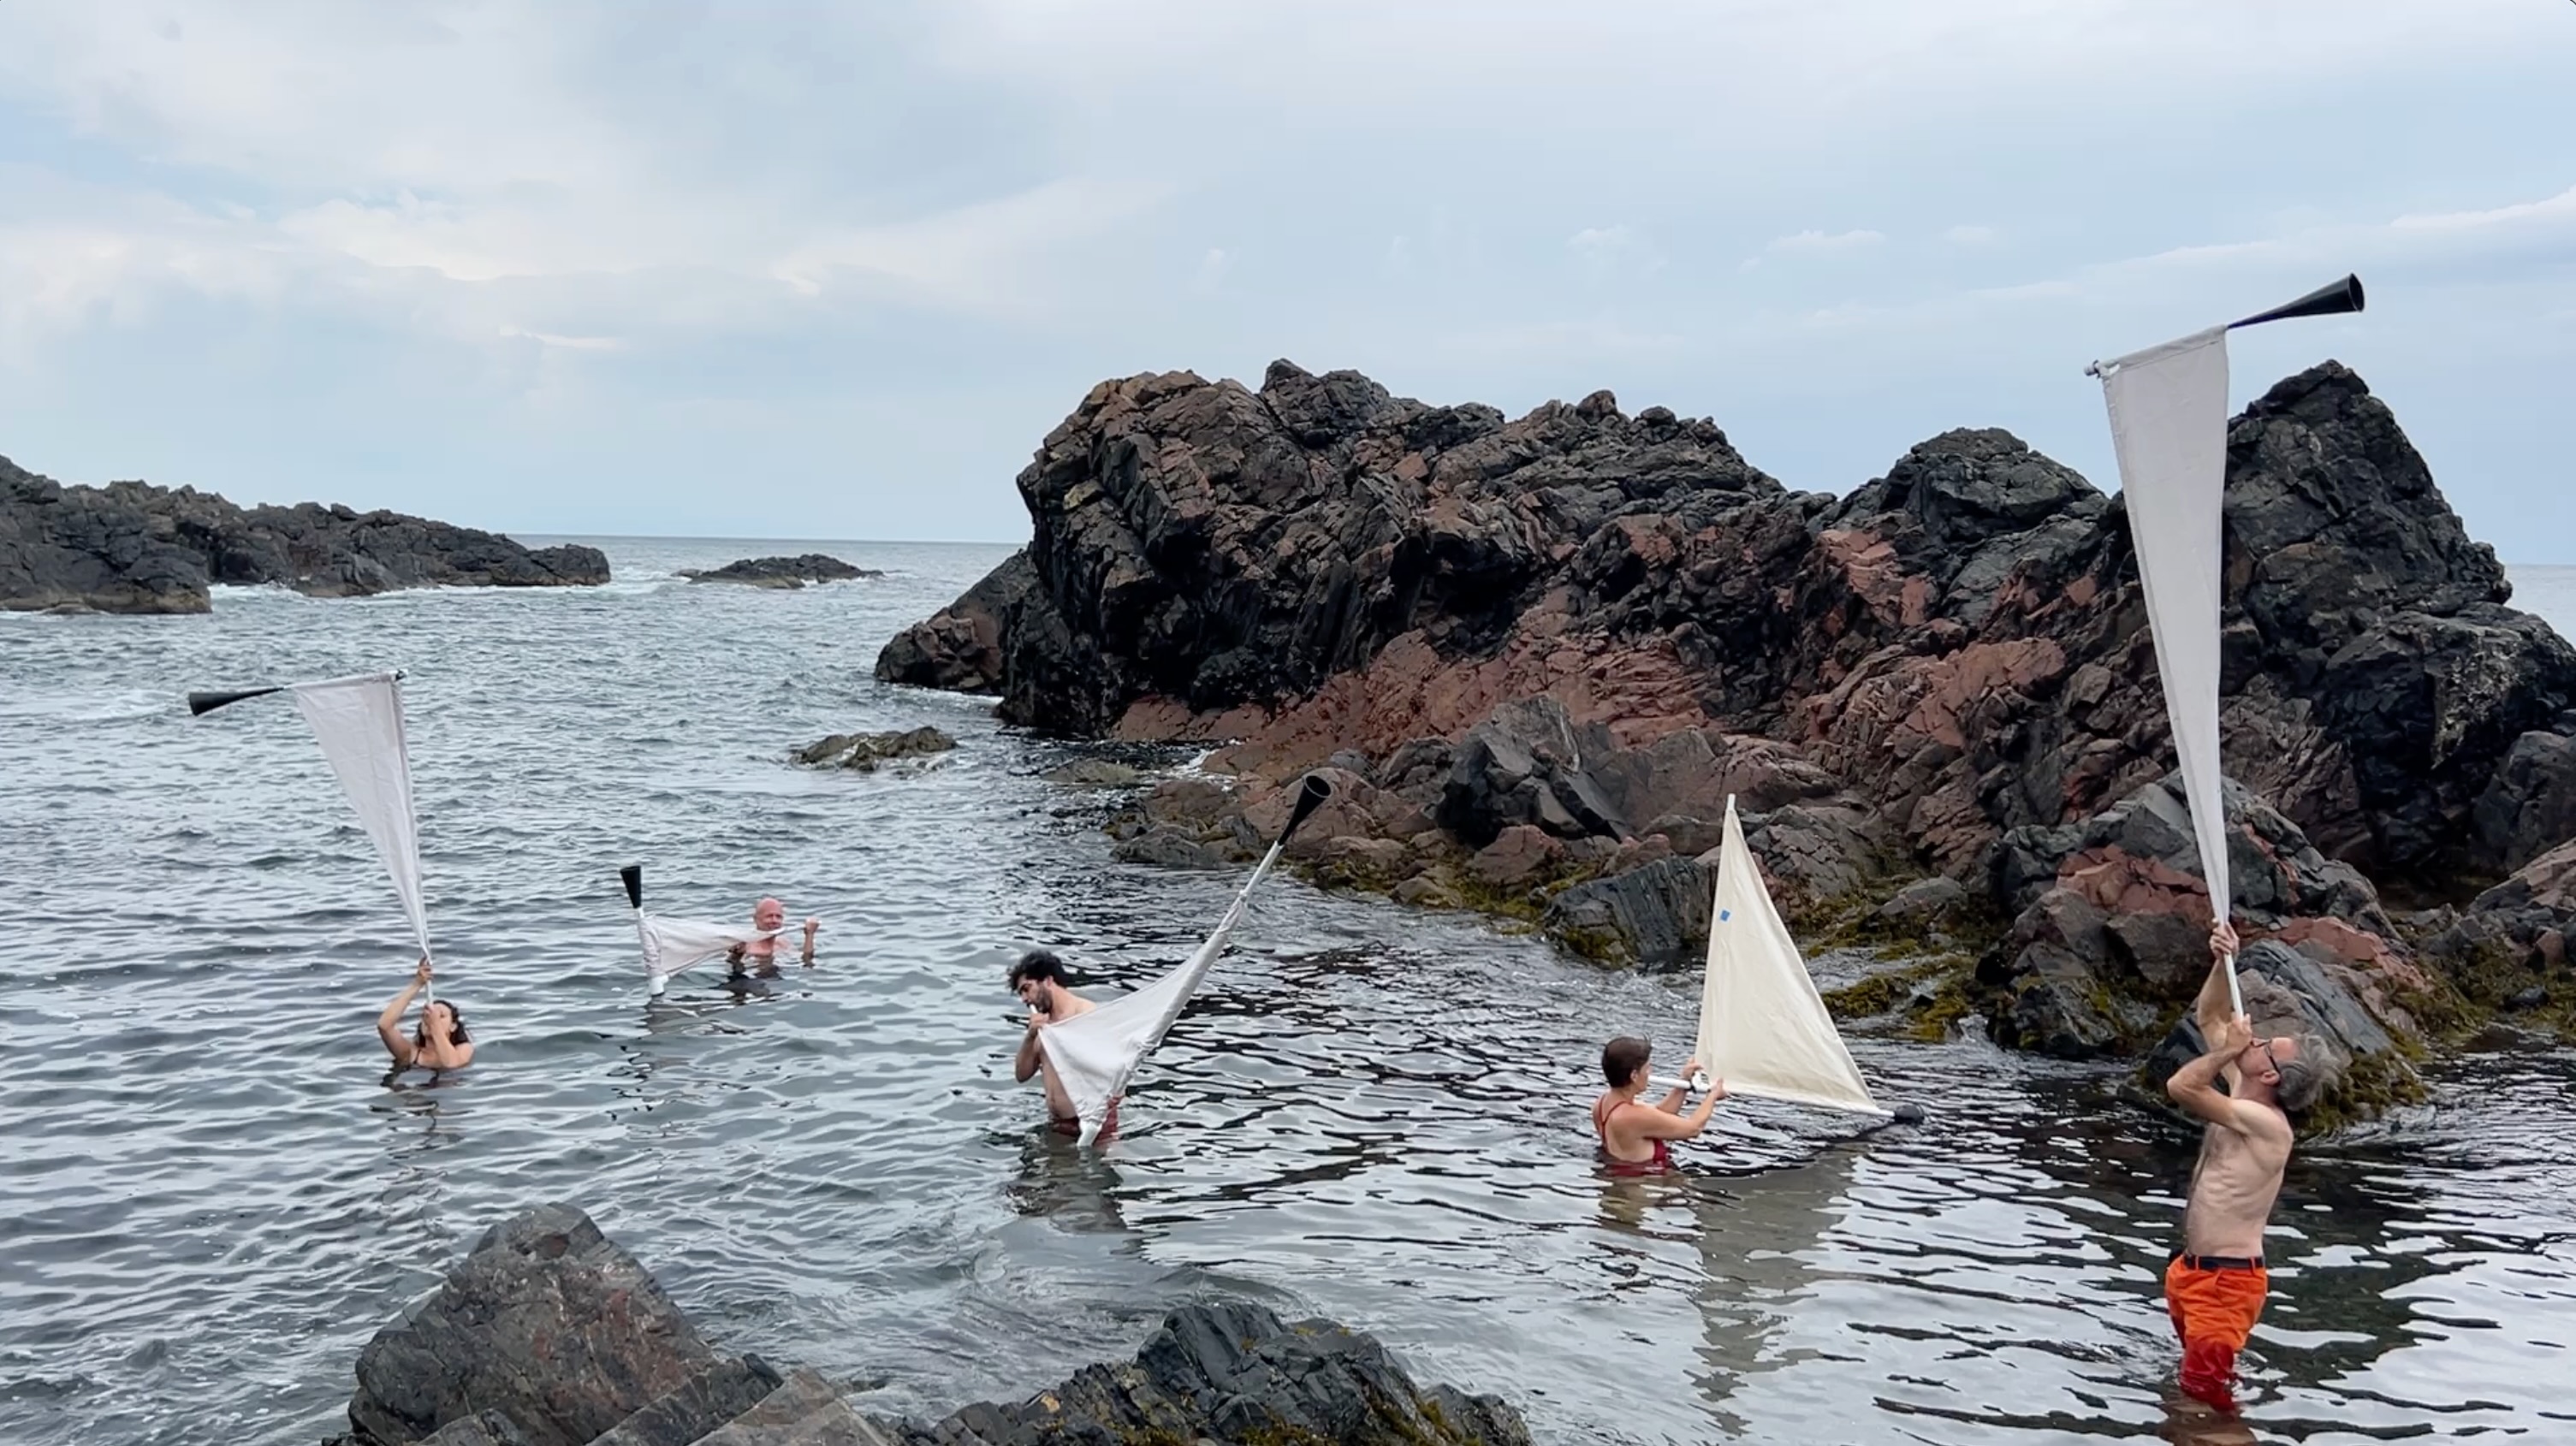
[2169, 428]
[1763, 1028]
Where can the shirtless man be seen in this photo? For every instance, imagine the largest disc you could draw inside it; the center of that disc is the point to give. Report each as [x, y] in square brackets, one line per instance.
[2215, 1288]
[439, 1042]
[1039, 980]
[766, 915]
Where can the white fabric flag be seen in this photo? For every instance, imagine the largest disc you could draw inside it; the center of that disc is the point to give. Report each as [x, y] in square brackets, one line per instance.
[2169, 426]
[1763, 1028]
[671, 945]
[359, 721]
[1094, 1053]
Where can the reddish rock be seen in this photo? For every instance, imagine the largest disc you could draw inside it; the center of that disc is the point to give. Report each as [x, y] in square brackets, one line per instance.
[1517, 857]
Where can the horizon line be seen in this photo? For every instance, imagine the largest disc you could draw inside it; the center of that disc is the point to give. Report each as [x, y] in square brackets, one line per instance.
[755, 537]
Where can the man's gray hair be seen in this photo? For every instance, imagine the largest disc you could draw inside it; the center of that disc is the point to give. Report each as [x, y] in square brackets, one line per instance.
[2302, 1078]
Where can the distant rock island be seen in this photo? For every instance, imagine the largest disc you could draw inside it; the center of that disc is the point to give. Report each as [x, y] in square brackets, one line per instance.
[781, 571]
[130, 547]
[1540, 656]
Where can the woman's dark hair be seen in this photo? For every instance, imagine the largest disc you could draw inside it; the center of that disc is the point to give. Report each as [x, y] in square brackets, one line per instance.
[1039, 964]
[455, 1016]
[1621, 1058]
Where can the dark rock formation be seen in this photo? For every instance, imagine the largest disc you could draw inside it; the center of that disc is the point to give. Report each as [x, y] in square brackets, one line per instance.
[783, 572]
[1524, 765]
[1560, 643]
[2526, 922]
[1237, 1373]
[2529, 806]
[549, 1335]
[541, 1287]
[133, 548]
[2111, 941]
[960, 648]
[863, 752]
[1319, 565]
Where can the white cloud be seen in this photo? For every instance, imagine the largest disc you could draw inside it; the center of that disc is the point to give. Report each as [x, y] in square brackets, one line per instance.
[568, 343]
[1970, 235]
[2555, 208]
[1604, 252]
[1812, 241]
[1211, 271]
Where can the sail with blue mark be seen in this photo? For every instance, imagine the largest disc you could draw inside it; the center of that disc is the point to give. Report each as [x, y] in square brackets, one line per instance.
[1763, 1028]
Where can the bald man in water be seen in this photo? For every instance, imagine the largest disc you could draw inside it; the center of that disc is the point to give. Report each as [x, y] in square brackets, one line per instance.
[766, 915]
[2215, 1289]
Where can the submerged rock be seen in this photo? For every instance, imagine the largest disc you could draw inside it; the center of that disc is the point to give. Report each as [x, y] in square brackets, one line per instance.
[782, 572]
[1095, 773]
[133, 548]
[864, 752]
[548, 1334]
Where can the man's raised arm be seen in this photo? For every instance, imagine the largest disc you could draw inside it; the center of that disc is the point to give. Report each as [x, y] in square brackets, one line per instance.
[2213, 1006]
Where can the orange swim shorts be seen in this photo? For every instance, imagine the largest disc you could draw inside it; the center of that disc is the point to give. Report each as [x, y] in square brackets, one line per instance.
[2214, 1310]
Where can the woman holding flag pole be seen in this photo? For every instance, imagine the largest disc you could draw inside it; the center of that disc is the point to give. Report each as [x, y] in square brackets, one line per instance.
[358, 720]
[438, 1042]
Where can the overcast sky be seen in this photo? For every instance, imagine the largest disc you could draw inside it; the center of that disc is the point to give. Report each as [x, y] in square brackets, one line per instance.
[833, 270]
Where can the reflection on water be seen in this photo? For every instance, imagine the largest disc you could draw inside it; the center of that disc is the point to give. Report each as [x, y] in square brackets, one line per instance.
[209, 1198]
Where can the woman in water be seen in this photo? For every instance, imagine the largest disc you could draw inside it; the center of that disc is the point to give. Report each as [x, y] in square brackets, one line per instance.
[1635, 1137]
[439, 1042]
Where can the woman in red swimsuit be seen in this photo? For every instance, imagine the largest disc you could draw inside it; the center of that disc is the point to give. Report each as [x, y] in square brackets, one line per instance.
[1636, 1137]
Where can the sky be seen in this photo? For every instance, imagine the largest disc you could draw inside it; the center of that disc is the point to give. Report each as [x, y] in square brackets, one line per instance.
[835, 270]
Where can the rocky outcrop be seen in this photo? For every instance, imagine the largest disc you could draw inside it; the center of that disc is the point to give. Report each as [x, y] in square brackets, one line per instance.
[1560, 642]
[1318, 566]
[2529, 806]
[2110, 945]
[133, 548]
[865, 752]
[2514, 946]
[960, 648]
[548, 1334]
[781, 572]
[543, 1289]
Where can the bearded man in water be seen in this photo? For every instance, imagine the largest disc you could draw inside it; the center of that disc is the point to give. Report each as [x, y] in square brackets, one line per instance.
[2216, 1287]
[766, 915]
[1039, 980]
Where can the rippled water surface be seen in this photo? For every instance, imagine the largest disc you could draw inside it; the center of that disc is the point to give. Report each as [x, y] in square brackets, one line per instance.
[209, 1199]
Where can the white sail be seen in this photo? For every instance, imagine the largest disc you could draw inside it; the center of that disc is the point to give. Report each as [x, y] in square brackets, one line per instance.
[2169, 426]
[1095, 1053]
[359, 721]
[671, 945]
[1763, 1028]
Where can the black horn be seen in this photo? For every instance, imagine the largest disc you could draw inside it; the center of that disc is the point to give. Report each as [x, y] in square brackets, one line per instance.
[200, 704]
[1308, 800]
[633, 877]
[2334, 300]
